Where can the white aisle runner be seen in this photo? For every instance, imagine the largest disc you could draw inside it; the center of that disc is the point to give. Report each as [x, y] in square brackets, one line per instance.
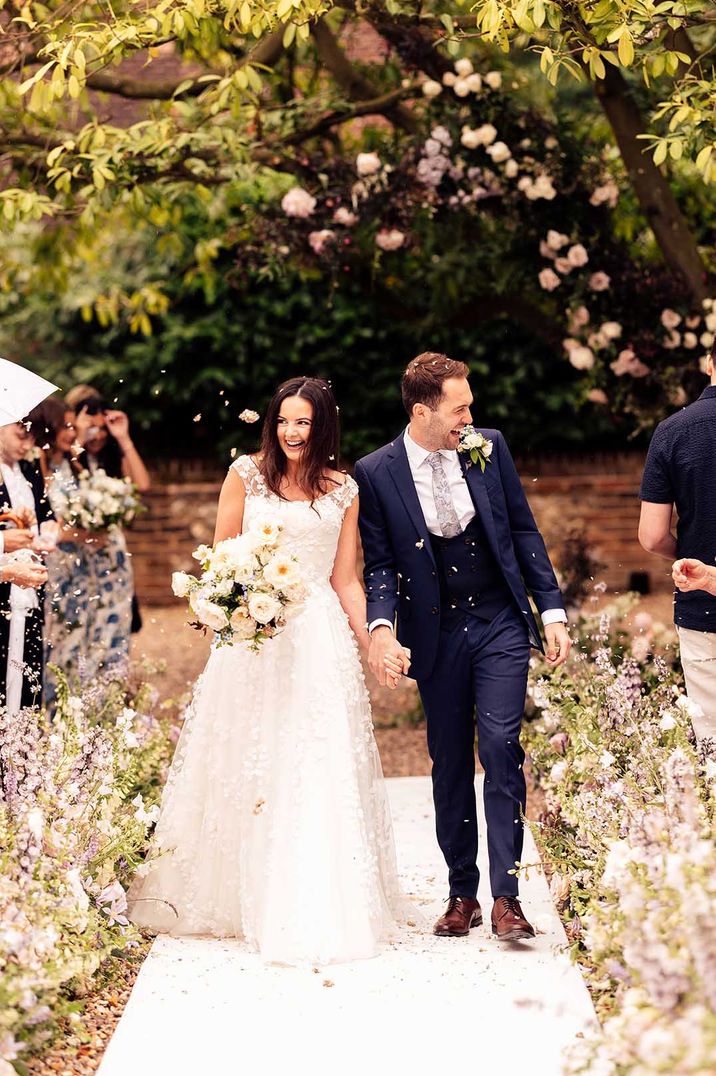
[425, 1005]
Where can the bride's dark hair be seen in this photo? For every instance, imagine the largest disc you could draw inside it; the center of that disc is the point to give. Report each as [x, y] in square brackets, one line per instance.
[322, 447]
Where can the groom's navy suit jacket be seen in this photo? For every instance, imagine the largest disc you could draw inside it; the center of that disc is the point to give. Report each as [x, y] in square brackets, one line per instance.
[400, 571]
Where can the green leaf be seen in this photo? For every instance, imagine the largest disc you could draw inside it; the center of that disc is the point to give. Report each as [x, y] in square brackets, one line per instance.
[626, 49]
[704, 157]
[661, 152]
[37, 77]
[288, 35]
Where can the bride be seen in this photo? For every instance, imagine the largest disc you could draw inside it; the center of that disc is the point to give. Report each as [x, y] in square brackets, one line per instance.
[274, 823]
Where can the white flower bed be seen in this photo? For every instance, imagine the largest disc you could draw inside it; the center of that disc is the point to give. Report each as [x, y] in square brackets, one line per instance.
[629, 836]
[73, 824]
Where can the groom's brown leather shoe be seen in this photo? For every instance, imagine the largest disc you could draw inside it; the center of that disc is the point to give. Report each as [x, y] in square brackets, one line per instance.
[462, 913]
[508, 921]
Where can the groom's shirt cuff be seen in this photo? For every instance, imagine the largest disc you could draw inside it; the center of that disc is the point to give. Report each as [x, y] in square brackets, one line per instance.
[376, 624]
[554, 616]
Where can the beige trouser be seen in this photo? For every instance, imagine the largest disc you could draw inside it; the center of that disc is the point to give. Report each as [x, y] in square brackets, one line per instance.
[698, 657]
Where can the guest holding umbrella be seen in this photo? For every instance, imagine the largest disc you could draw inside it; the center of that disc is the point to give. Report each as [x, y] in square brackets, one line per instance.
[24, 508]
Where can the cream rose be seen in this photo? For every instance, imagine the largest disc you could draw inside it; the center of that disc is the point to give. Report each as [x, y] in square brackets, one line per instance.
[281, 572]
[181, 583]
[264, 607]
[242, 625]
[209, 613]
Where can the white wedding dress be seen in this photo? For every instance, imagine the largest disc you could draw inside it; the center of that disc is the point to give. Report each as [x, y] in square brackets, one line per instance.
[274, 823]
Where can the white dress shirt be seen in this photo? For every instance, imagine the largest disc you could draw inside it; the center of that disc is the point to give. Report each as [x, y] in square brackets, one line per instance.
[422, 474]
[22, 599]
[20, 495]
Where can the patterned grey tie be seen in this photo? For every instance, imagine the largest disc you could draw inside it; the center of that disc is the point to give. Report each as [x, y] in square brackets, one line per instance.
[447, 516]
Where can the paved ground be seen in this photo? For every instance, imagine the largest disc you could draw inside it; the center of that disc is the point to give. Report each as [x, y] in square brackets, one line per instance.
[423, 1005]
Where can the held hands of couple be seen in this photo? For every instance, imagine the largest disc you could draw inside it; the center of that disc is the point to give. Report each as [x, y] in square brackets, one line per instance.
[387, 659]
[558, 644]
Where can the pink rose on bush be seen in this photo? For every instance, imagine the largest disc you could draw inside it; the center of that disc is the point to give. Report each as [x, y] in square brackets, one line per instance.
[577, 256]
[549, 280]
[367, 164]
[599, 281]
[298, 203]
[318, 240]
[389, 239]
[343, 215]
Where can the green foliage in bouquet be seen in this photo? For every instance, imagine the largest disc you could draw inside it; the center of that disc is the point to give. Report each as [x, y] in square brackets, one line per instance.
[628, 838]
[73, 825]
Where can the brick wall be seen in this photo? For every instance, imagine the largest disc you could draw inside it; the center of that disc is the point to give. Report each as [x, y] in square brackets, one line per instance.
[597, 494]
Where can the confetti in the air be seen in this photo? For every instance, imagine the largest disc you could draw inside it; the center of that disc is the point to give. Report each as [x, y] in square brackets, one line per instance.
[249, 416]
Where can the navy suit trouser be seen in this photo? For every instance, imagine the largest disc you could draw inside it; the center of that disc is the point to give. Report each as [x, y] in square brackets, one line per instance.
[479, 680]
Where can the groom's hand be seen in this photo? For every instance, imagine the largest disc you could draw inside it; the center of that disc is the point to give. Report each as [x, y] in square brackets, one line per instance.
[558, 644]
[387, 659]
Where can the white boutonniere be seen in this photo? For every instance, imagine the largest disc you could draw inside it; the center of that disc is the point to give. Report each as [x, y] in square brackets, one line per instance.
[478, 447]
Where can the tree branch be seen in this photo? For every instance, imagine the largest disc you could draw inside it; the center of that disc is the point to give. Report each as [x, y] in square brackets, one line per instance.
[355, 84]
[383, 105]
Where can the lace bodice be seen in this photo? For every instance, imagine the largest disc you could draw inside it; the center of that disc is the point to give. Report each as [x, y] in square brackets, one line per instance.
[310, 531]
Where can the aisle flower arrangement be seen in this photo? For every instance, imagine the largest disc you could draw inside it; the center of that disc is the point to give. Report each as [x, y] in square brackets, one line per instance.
[629, 841]
[77, 801]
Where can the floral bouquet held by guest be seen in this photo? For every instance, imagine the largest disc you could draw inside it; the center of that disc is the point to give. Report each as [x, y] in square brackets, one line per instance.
[98, 502]
[248, 586]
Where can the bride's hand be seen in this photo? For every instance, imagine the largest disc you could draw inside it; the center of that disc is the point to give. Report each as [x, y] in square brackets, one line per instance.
[387, 658]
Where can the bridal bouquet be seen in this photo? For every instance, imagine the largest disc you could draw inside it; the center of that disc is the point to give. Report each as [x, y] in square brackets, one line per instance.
[248, 586]
[97, 502]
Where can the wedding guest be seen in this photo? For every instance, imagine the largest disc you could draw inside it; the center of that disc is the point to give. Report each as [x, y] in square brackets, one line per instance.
[69, 611]
[22, 501]
[680, 473]
[105, 438]
[88, 602]
[689, 574]
[104, 433]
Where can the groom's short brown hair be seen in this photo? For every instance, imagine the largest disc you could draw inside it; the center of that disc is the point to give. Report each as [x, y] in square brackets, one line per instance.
[423, 379]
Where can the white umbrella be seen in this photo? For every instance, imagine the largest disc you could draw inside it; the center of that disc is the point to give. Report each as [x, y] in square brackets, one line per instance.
[20, 391]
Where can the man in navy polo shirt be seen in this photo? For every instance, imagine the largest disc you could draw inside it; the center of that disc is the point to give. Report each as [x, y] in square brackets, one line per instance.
[680, 472]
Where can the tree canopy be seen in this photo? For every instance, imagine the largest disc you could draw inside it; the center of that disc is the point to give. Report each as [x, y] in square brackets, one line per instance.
[534, 174]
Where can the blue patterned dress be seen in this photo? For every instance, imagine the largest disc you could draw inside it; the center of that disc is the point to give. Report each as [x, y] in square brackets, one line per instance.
[88, 602]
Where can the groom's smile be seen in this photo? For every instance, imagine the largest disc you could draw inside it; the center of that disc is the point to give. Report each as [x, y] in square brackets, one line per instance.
[439, 427]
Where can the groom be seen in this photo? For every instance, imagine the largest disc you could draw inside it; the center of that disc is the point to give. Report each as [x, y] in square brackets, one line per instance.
[450, 555]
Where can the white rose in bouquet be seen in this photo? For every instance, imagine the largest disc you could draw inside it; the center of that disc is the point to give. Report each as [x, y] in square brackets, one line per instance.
[281, 571]
[266, 527]
[264, 607]
[237, 556]
[182, 583]
[221, 585]
[243, 625]
[208, 612]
